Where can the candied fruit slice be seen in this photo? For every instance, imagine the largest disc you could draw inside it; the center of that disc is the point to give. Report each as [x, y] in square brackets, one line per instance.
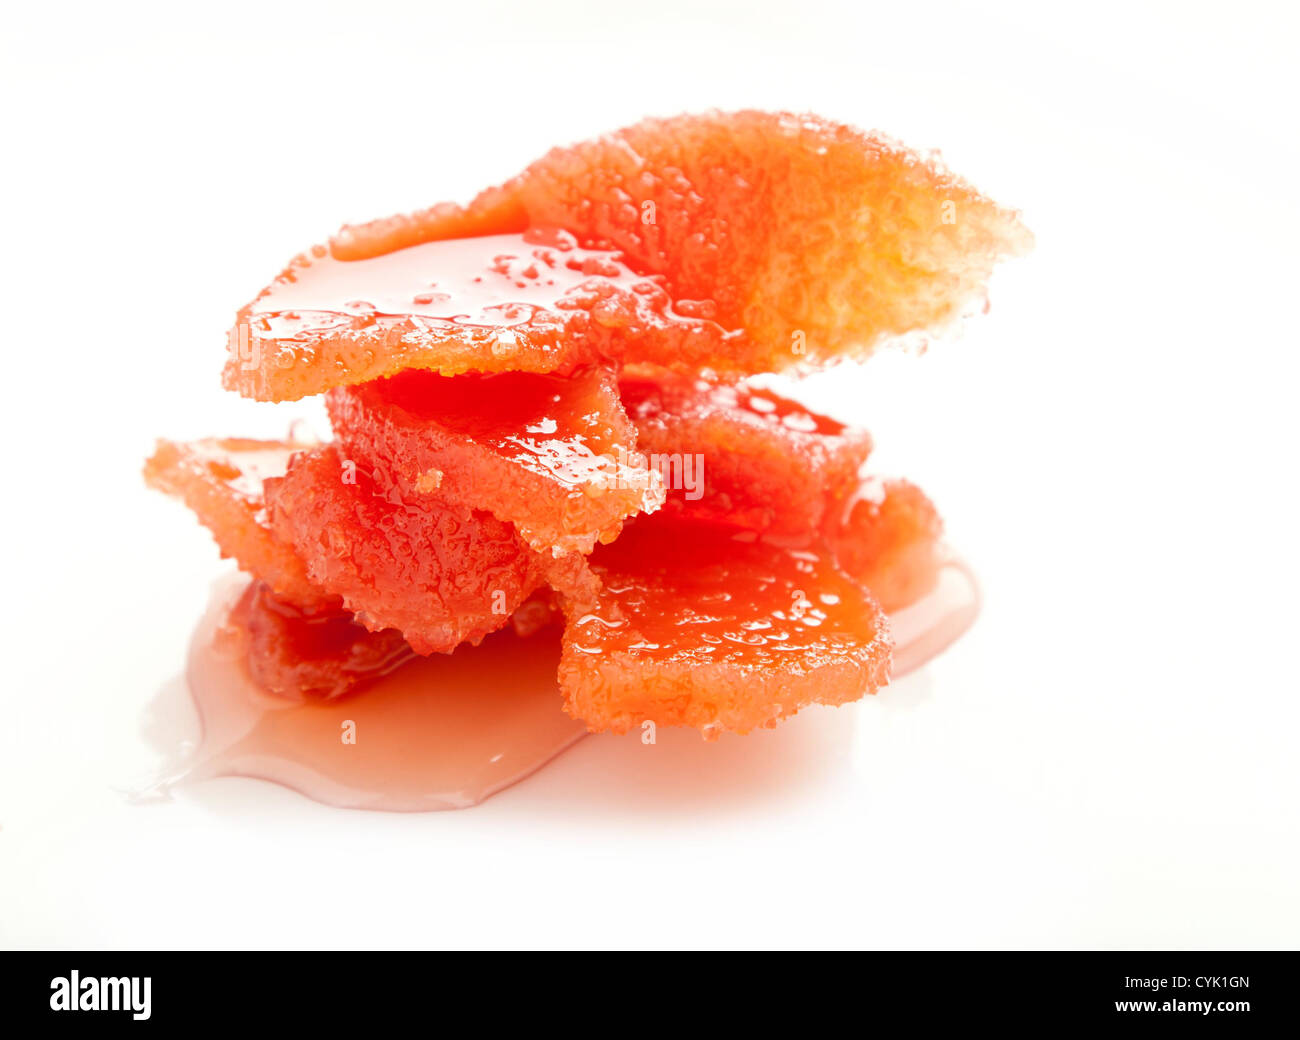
[743, 454]
[312, 655]
[530, 302]
[888, 538]
[221, 481]
[439, 573]
[807, 238]
[703, 625]
[548, 454]
[769, 464]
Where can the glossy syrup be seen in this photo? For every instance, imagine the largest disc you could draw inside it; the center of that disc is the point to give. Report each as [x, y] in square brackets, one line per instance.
[493, 281]
[443, 732]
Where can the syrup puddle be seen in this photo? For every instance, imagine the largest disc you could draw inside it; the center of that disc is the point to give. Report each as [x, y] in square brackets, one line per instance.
[443, 732]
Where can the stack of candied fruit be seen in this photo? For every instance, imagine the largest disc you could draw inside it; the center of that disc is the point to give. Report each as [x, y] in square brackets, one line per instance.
[542, 415]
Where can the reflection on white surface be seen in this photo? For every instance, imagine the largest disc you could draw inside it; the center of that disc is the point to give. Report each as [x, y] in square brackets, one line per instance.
[676, 769]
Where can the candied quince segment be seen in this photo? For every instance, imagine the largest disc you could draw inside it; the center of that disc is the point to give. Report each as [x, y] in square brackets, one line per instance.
[529, 302]
[805, 239]
[888, 538]
[439, 573]
[771, 465]
[554, 456]
[755, 459]
[221, 481]
[312, 655]
[701, 625]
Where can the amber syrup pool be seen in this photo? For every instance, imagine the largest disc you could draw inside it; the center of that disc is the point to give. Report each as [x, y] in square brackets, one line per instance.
[443, 732]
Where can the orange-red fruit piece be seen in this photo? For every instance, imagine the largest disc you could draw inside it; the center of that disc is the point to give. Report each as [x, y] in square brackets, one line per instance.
[814, 238]
[769, 464]
[551, 455]
[221, 481]
[436, 571]
[700, 625]
[312, 655]
[743, 454]
[745, 242]
[530, 302]
[889, 539]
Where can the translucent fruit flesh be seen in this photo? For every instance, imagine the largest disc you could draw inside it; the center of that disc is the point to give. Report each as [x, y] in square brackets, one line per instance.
[312, 656]
[774, 466]
[497, 375]
[529, 302]
[437, 572]
[548, 454]
[743, 242]
[766, 462]
[221, 481]
[889, 539]
[702, 625]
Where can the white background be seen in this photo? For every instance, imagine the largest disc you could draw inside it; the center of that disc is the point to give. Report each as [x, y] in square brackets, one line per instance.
[1108, 759]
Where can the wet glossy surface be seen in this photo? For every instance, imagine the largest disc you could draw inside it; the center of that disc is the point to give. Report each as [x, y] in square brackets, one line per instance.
[532, 302]
[555, 456]
[497, 281]
[706, 591]
[651, 393]
[702, 625]
[443, 732]
[770, 463]
[439, 733]
[312, 655]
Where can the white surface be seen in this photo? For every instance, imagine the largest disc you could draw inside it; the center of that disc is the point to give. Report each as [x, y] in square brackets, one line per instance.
[1107, 760]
